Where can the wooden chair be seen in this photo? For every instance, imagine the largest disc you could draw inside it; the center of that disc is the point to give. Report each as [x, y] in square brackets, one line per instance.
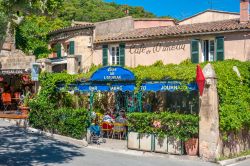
[6, 99]
[107, 128]
[118, 129]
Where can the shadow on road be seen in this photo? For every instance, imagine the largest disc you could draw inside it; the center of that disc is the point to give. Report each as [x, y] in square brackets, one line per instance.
[18, 147]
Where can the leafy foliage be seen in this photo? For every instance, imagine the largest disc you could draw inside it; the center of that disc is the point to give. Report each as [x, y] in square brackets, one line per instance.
[97, 10]
[181, 126]
[64, 121]
[31, 35]
[53, 110]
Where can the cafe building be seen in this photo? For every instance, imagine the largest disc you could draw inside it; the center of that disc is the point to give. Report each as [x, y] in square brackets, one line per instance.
[207, 36]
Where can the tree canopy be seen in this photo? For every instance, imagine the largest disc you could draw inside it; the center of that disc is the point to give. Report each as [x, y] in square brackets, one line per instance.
[98, 10]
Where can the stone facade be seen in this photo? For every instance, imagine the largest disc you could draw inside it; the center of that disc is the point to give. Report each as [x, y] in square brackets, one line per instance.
[16, 60]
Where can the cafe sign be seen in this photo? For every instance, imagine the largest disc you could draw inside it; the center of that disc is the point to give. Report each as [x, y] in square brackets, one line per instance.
[13, 71]
[112, 73]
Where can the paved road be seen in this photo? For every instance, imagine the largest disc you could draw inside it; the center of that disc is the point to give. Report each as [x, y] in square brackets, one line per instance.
[19, 148]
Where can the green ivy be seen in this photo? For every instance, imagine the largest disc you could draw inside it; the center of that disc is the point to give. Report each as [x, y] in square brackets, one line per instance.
[181, 126]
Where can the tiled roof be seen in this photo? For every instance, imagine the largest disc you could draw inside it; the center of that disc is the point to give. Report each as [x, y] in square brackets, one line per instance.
[71, 28]
[179, 30]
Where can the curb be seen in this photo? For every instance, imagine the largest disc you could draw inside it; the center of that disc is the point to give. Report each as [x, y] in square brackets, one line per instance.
[142, 153]
[70, 140]
[232, 161]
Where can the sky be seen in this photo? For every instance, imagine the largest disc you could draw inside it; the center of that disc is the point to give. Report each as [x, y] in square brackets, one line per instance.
[181, 9]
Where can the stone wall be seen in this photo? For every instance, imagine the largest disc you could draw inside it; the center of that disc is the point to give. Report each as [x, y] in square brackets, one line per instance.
[236, 143]
[16, 60]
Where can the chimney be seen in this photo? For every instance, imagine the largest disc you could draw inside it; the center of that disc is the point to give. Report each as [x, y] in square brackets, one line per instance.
[244, 11]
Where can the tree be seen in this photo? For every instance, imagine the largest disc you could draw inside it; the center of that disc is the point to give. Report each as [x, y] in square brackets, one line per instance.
[31, 35]
[98, 10]
[13, 12]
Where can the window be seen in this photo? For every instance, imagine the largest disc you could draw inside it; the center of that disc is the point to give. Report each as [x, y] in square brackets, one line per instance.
[208, 50]
[115, 55]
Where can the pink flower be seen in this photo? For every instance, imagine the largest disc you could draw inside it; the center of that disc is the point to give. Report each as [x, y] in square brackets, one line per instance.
[157, 124]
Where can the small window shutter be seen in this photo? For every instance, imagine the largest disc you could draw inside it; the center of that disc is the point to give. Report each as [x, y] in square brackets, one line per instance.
[71, 47]
[122, 54]
[105, 55]
[220, 48]
[58, 50]
[195, 51]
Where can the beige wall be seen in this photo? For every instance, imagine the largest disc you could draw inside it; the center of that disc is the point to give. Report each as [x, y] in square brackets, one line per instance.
[176, 50]
[148, 52]
[114, 26]
[83, 47]
[152, 23]
[237, 46]
[209, 16]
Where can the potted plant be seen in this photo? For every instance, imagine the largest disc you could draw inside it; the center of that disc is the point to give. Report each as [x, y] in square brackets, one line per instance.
[24, 108]
[191, 143]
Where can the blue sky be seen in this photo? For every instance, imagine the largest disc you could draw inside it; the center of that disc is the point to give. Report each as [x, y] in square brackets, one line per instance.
[181, 8]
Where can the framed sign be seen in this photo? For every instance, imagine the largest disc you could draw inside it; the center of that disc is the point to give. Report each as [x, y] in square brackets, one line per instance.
[35, 70]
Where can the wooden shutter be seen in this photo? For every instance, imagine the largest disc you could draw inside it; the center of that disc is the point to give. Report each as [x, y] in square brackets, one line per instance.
[122, 54]
[58, 50]
[71, 47]
[105, 55]
[219, 48]
[195, 51]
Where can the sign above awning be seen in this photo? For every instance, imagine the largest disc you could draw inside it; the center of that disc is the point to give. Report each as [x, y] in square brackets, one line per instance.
[166, 86]
[112, 73]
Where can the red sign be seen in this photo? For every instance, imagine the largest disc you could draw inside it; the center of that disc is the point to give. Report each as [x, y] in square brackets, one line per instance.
[200, 79]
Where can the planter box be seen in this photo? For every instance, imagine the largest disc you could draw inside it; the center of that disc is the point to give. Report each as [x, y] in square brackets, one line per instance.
[146, 142]
[161, 144]
[175, 146]
[133, 140]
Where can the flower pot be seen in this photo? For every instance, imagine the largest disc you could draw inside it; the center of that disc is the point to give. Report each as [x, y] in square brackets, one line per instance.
[24, 110]
[175, 146]
[133, 140]
[146, 142]
[161, 144]
[191, 146]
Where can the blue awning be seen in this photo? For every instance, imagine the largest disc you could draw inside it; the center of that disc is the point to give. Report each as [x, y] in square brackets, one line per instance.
[112, 73]
[105, 87]
[165, 86]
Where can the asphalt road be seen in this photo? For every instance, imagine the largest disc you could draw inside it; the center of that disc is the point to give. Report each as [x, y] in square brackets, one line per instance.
[20, 148]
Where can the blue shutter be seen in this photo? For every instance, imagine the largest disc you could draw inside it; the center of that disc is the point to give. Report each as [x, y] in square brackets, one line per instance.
[195, 51]
[71, 47]
[105, 55]
[219, 48]
[122, 54]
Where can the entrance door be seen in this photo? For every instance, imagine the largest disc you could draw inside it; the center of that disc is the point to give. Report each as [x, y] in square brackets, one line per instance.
[208, 50]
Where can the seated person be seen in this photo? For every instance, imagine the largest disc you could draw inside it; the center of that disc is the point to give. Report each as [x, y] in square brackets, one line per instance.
[108, 118]
[122, 117]
[95, 128]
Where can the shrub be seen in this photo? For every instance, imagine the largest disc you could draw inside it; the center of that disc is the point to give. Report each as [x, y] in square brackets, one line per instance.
[181, 126]
[64, 121]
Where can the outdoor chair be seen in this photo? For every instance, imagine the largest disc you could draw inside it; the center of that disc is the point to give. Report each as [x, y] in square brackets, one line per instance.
[107, 128]
[118, 130]
[6, 100]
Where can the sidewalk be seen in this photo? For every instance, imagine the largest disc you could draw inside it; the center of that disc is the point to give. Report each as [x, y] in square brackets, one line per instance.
[120, 146]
